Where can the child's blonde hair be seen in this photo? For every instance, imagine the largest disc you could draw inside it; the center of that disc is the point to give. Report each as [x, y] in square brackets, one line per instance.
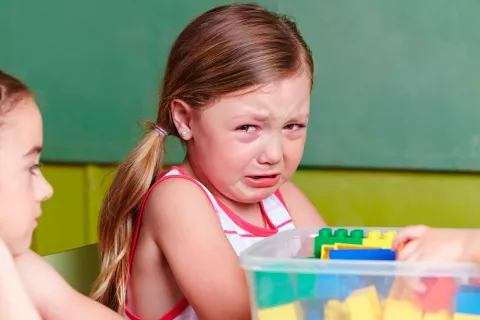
[224, 50]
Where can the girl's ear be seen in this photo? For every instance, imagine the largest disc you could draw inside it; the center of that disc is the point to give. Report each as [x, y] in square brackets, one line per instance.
[182, 115]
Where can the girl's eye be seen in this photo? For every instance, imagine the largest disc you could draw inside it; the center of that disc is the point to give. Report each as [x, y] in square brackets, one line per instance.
[34, 169]
[294, 126]
[246, 128]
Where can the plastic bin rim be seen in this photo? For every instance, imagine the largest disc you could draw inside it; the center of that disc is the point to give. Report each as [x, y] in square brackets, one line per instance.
[252, 260]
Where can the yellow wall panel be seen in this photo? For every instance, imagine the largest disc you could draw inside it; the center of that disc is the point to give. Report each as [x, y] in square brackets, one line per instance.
[70, 217]
[356, 198]
[349, 198]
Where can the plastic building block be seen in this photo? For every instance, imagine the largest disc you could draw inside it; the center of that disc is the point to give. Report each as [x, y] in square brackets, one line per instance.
[327, 237]
[292, 311]
[461, 316]
[334, 310]
[325, 253]
[402, 291]
[359, 308]
[273, 289]
[382, 284]
[306, 286]
[442, 315]
[375, 239]
[337, 287]
[438, 295]
[362, 254]
[467, 300]
[313, 309]
[364, 304]
[401, 310]
[347, 246]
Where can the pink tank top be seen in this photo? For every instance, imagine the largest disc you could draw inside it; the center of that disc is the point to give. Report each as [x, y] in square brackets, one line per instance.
[239, 232]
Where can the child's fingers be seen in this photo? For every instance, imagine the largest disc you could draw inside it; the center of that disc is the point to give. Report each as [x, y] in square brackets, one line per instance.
[408, 233]
[408, 252]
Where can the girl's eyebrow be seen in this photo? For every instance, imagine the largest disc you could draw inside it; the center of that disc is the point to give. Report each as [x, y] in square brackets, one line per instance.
[260, 115]
[34, 151]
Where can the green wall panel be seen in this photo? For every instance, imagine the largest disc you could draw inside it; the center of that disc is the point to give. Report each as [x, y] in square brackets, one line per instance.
[396, 83]
[350, 198]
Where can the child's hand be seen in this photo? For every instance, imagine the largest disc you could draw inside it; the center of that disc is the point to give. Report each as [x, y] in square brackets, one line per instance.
[434, 244]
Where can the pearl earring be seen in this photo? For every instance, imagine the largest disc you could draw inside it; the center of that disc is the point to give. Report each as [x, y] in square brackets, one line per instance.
[184, 133]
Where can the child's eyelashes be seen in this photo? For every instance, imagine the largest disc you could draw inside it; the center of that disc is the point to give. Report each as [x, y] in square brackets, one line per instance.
[247, 128]
[294, 126]
[35, 168]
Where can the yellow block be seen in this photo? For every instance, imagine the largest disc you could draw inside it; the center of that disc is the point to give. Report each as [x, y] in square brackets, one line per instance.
[442, 315]
[401, 310]
[335, 310]
[401, 290]
[347, 246]
[360, 308]
[372, 296]
[292, 311]
[375, 239]
[325, 254]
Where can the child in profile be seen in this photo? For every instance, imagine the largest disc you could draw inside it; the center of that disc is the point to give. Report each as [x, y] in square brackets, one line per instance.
[29, 287]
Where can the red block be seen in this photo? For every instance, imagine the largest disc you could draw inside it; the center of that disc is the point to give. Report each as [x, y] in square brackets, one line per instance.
[438, 296]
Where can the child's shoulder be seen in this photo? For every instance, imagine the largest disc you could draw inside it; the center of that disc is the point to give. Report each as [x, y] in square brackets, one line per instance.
[40, 277]
[174, 184]
[179, 200]
[183, 222]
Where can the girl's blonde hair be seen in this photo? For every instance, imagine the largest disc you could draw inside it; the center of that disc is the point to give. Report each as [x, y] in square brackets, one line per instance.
[227, 49]
[12, 91]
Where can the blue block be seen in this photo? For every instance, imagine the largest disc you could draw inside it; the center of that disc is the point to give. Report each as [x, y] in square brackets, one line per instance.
[467, 300]
[337, 286]
[362, 254]
[383, 284]
[313, 309]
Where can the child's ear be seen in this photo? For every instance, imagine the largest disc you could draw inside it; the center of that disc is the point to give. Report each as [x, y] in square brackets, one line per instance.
[182, 117]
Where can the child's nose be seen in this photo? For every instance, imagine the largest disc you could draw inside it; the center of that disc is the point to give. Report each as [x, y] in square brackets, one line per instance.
[272, 152]
[46, 190]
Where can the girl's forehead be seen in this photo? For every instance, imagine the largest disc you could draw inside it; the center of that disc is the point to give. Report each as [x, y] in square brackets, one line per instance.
[22, 126]
[287, 95]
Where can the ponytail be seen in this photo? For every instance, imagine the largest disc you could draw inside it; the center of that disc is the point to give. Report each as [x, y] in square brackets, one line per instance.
[119, 215]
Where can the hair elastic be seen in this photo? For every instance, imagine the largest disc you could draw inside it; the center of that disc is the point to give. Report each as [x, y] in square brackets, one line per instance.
[161, 131]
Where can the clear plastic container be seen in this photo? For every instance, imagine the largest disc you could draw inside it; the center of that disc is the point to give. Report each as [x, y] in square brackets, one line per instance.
[287, 283]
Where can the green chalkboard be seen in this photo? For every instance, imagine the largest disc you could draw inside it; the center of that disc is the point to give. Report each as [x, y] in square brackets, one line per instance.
[397, 82]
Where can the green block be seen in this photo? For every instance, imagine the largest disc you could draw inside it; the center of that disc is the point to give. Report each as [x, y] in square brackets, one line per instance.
[273, 289]
[327, 237]
[306, 285]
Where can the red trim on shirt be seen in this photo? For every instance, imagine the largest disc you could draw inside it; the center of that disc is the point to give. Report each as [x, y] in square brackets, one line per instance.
[284, 223]
[255, 230]
[278, 194]
[171, 315]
